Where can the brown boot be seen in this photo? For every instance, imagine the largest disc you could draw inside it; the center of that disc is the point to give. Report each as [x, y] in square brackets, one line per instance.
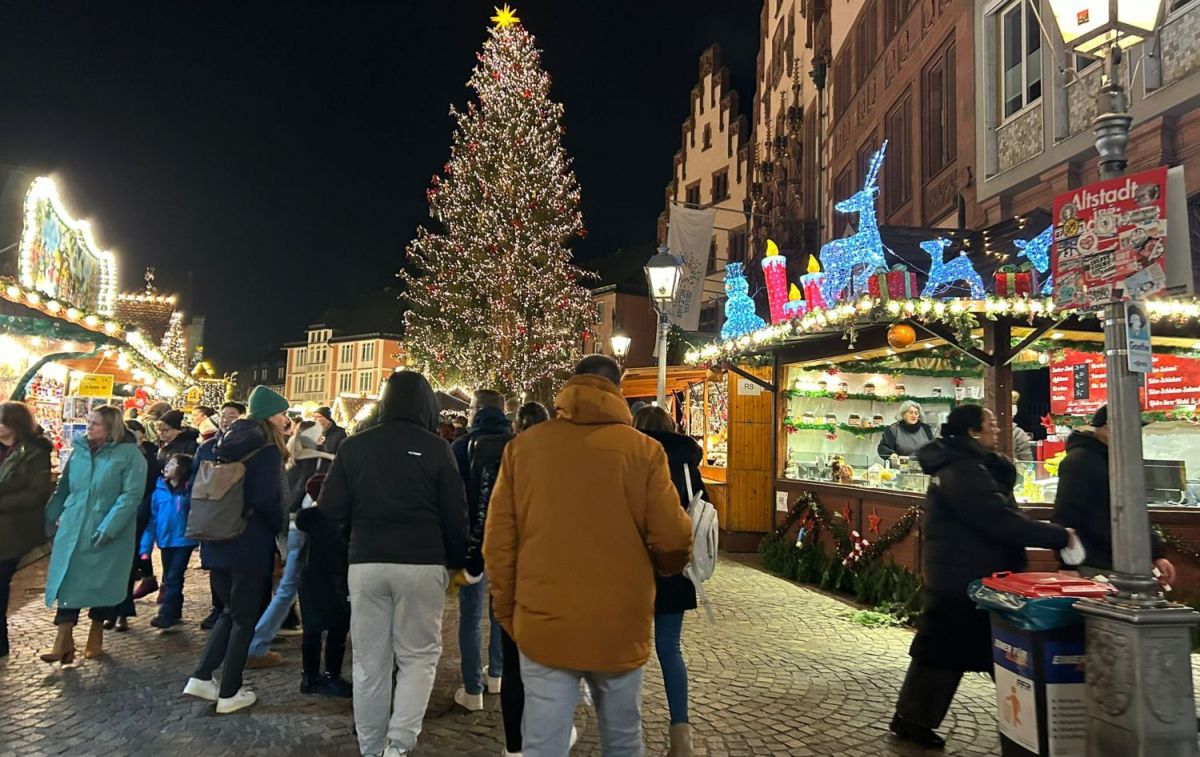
[64, 645]
[95, 642]
[681, 740]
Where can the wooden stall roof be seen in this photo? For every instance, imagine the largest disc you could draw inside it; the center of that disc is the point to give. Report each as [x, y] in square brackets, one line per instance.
[643, 382]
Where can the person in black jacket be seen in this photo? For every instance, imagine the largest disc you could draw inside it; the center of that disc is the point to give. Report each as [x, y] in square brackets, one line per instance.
[396, 491]
[142, 567]
[675, 594]
[173, 438]
[241, 567]
[332, 435]
[1082, 500]
[971, 529]
[478, 454]
[324, 599]
[907, 435]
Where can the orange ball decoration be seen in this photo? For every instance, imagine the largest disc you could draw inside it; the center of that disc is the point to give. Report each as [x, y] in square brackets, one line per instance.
[901, 335]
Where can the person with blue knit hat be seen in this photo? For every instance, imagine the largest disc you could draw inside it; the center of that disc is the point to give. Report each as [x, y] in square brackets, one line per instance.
[241, 567]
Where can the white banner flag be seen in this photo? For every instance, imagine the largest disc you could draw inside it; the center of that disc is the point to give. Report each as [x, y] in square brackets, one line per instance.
[689, 236]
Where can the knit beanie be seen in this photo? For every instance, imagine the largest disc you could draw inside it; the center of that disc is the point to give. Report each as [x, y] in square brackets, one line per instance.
[264, 403]
[173, 419]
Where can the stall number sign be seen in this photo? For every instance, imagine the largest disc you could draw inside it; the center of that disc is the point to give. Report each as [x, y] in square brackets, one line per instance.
[95, 385]
[1109, 236]
[1079, 383]
[747, 388]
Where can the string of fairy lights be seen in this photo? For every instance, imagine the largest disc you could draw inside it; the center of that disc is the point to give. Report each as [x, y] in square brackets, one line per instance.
[493, 297]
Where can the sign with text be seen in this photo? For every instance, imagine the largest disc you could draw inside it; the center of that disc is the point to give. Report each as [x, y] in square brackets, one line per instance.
[95, 385]
[1108, 232]
[1137, 338]
[1079, 383]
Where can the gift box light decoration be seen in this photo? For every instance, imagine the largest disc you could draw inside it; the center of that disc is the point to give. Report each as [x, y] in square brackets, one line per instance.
[945, 275]
[740, 318]
[849, 261]
[1037, 250]
[814, 285]
[774, 268]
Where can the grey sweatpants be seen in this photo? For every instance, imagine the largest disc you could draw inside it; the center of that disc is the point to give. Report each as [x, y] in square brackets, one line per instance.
[395, 621]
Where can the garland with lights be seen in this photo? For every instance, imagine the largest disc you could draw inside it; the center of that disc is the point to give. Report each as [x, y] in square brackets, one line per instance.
[791, 425]
[853, 567]
[1185, 548]
[493, 298]
[890, 398]
[961, 316]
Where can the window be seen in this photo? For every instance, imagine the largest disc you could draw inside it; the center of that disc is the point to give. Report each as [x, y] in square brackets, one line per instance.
[367, 353]
[713, 265]
[938, 111]
[709, 313]
[897, 179]
[692, 195]
[863, 161]
[720, 185]
[364, 382]
[894, 14]
[321, 383]
[298, 385]
[706, 141]
[842, 86]
[347, 353]
[345, 382]
[737, 245]
[279, 373]
[1020, 57]
[842, 186]
[600, 308]
[301, 356]
[866, 46]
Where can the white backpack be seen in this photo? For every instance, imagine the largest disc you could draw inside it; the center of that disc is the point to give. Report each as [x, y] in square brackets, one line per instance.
[704, 541]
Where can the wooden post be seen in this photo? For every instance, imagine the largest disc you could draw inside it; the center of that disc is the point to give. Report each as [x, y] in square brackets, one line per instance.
[998, 379]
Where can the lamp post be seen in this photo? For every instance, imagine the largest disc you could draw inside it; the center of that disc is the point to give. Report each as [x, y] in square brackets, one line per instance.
[663, 271]
[1139, 682]
[619, 341]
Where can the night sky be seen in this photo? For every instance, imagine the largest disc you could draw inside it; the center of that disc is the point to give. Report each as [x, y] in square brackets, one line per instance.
[281, 151]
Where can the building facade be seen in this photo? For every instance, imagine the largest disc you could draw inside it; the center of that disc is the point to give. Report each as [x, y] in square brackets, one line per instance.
[631, 312]
[712, 170]
[1036, 103]
[329, 364]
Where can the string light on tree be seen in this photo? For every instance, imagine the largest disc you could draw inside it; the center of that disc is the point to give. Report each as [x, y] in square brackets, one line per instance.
[493, 297]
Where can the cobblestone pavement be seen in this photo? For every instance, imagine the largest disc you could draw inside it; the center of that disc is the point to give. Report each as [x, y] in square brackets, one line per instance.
[781, 672]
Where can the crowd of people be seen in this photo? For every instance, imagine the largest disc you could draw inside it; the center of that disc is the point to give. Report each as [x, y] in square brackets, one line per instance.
[375, 529]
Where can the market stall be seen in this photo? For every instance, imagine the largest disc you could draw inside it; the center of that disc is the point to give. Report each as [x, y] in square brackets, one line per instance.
[63, 349]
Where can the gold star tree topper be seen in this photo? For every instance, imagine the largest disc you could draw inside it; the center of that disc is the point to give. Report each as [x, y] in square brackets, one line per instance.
[505, 17]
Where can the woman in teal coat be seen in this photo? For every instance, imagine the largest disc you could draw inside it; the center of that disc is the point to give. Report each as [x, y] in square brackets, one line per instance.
[92, 516]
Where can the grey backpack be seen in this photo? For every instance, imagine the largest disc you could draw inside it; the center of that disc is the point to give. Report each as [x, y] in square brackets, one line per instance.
[218, 507]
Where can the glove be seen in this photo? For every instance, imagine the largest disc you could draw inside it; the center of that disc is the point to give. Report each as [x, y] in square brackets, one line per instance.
[1073, 553]
[100, 539]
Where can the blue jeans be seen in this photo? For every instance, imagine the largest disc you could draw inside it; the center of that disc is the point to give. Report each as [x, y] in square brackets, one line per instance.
[668, 627]
[550, 698]
[285, 594]
[175, 562]
[470, 637]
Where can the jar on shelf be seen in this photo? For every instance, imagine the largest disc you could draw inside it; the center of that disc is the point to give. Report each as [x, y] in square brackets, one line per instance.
[936, 391]
[877, 420]
[854, 420]
[900, 390]
[808, 418]
[822, 385]
[869, 388]
[831, 419]
[843, 387]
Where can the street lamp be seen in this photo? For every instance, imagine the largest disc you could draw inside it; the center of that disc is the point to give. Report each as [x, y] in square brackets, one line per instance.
[663, 271]
[1139, 683]
[620, 345]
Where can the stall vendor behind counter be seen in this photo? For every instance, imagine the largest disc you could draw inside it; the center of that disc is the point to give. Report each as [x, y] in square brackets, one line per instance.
[907, 435]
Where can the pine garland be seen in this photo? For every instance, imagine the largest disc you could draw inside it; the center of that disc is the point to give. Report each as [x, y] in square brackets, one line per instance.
[791, 425]
[888, 398]
[1185, 548]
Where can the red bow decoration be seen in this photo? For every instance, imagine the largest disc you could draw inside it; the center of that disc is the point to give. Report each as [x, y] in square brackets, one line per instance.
[1049, 424]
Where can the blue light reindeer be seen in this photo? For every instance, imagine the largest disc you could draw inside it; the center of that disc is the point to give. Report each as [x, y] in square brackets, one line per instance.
[943, 275]
[850, 261]
[1038, 252]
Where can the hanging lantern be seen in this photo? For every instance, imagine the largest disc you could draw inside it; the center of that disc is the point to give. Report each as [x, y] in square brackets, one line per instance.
[901, 335]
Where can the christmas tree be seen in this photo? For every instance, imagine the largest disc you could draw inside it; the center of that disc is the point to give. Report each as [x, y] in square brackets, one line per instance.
[493, 298]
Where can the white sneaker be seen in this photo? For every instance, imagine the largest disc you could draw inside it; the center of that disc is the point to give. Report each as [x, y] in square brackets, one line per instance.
[469, 702]
[506, 753]
[393, 751]
[239, 701]
[493, 684]
[206, 690]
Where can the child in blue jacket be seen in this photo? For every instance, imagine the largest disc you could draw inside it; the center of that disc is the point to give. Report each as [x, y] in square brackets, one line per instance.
[169, 506]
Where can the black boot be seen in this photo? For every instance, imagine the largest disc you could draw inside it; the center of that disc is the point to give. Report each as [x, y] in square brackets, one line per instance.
[310, 683]
[211, 620]
[336, 686]
[919, 735]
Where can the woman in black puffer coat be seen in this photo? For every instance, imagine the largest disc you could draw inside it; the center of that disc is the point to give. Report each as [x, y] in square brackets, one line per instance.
[675, 594]
[971, 529]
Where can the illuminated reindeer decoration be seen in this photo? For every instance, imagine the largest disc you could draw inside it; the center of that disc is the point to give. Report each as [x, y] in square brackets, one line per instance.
[944, 275]
[1038, 252]
[850, 261]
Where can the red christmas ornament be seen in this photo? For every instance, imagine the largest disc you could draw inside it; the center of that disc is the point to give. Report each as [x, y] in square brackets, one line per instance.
[527, 94]
[496, 75]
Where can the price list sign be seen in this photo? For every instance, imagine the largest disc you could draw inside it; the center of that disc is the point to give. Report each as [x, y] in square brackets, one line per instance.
[1079, 383]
